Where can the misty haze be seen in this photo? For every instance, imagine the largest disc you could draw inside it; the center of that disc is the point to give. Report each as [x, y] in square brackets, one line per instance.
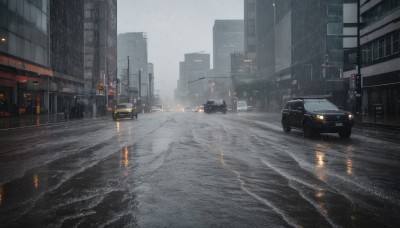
[189, 113]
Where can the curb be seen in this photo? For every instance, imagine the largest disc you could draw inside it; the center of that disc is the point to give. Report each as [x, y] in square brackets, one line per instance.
[378, 126]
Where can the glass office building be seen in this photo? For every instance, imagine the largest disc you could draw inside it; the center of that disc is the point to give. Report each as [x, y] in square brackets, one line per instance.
[24, 56]
[24, 29]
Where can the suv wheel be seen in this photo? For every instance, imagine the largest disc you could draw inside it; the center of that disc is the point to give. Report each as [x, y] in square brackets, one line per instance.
[308, 132]
[285, 126]
[345, 133]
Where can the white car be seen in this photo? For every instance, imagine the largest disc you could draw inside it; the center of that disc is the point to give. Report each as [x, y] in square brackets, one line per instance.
[242, 106]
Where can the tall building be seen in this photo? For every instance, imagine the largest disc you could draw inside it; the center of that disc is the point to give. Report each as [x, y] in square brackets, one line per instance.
[380, 54]
[302, 47]
[132, 48]
[100, 51]
[250, 29]
[228, 37]
[66, 51]
[182, 85]
[24, 57]
[265, 50]
[193, 73]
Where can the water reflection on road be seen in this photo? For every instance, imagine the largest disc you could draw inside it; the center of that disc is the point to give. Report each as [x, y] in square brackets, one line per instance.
[191, 169]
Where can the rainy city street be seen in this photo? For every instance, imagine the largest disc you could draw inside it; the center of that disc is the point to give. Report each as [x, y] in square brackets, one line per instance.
[196, 170]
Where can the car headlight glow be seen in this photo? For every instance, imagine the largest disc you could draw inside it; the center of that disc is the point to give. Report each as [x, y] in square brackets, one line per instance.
[351, 116]
[319, 117]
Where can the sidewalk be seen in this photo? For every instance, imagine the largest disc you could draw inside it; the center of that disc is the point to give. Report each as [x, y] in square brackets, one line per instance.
[390, 124]
[30, 120]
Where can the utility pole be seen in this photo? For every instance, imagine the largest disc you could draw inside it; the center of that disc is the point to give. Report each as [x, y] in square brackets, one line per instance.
[128, 90]
[140, 88]
[150, 95]
[358, 90]
[128, 71]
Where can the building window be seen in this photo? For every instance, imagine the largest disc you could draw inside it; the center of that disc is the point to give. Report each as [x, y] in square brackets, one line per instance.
[379, 11]
[395, 43]
[388, 43]
[335, 11]
[381, 48]
[251, 7]
[251, 48]
[375, 54]
[335, 29]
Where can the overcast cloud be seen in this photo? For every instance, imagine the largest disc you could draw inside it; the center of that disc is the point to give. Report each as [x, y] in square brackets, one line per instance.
[174, 27]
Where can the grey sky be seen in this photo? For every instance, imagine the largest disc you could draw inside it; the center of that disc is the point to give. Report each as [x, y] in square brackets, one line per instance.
[174, 27]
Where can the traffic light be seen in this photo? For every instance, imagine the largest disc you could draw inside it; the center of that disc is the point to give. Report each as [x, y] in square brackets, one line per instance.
[358, 83]
[100, 86]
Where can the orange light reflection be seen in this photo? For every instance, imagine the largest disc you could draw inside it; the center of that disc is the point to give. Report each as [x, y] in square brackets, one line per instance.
[320, 165]
[36, 181]
[349, 163]
[1, 195]
[126, 157]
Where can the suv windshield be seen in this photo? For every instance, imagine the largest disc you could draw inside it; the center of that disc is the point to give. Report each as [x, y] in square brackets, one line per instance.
[319, 105]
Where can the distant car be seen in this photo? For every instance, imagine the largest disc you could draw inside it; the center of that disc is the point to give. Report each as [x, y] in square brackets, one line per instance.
[315, 116]
[156, 109]
[215, 105]
[124, 110]
[242, 106]
[200, 109]
[177, 108]
[188, 109]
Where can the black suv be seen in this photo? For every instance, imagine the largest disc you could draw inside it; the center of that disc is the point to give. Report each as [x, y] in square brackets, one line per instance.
[315, 116]
[215, 105]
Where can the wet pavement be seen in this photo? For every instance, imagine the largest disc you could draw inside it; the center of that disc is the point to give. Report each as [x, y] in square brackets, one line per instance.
[196, 170]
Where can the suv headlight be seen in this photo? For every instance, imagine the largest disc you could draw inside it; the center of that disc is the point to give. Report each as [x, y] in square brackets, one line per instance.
[319, 117]
[351, 116]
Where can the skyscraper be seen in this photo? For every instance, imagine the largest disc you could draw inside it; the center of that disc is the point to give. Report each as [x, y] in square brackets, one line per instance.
[100, 50]
[133, 46]
[228, 37]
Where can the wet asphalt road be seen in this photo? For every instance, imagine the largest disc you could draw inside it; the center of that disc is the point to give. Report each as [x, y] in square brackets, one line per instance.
[196, 170]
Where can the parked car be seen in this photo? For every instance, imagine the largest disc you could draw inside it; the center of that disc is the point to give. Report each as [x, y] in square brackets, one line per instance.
[124, 110]
[215, 105]
[316, 115]
[242, 106]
